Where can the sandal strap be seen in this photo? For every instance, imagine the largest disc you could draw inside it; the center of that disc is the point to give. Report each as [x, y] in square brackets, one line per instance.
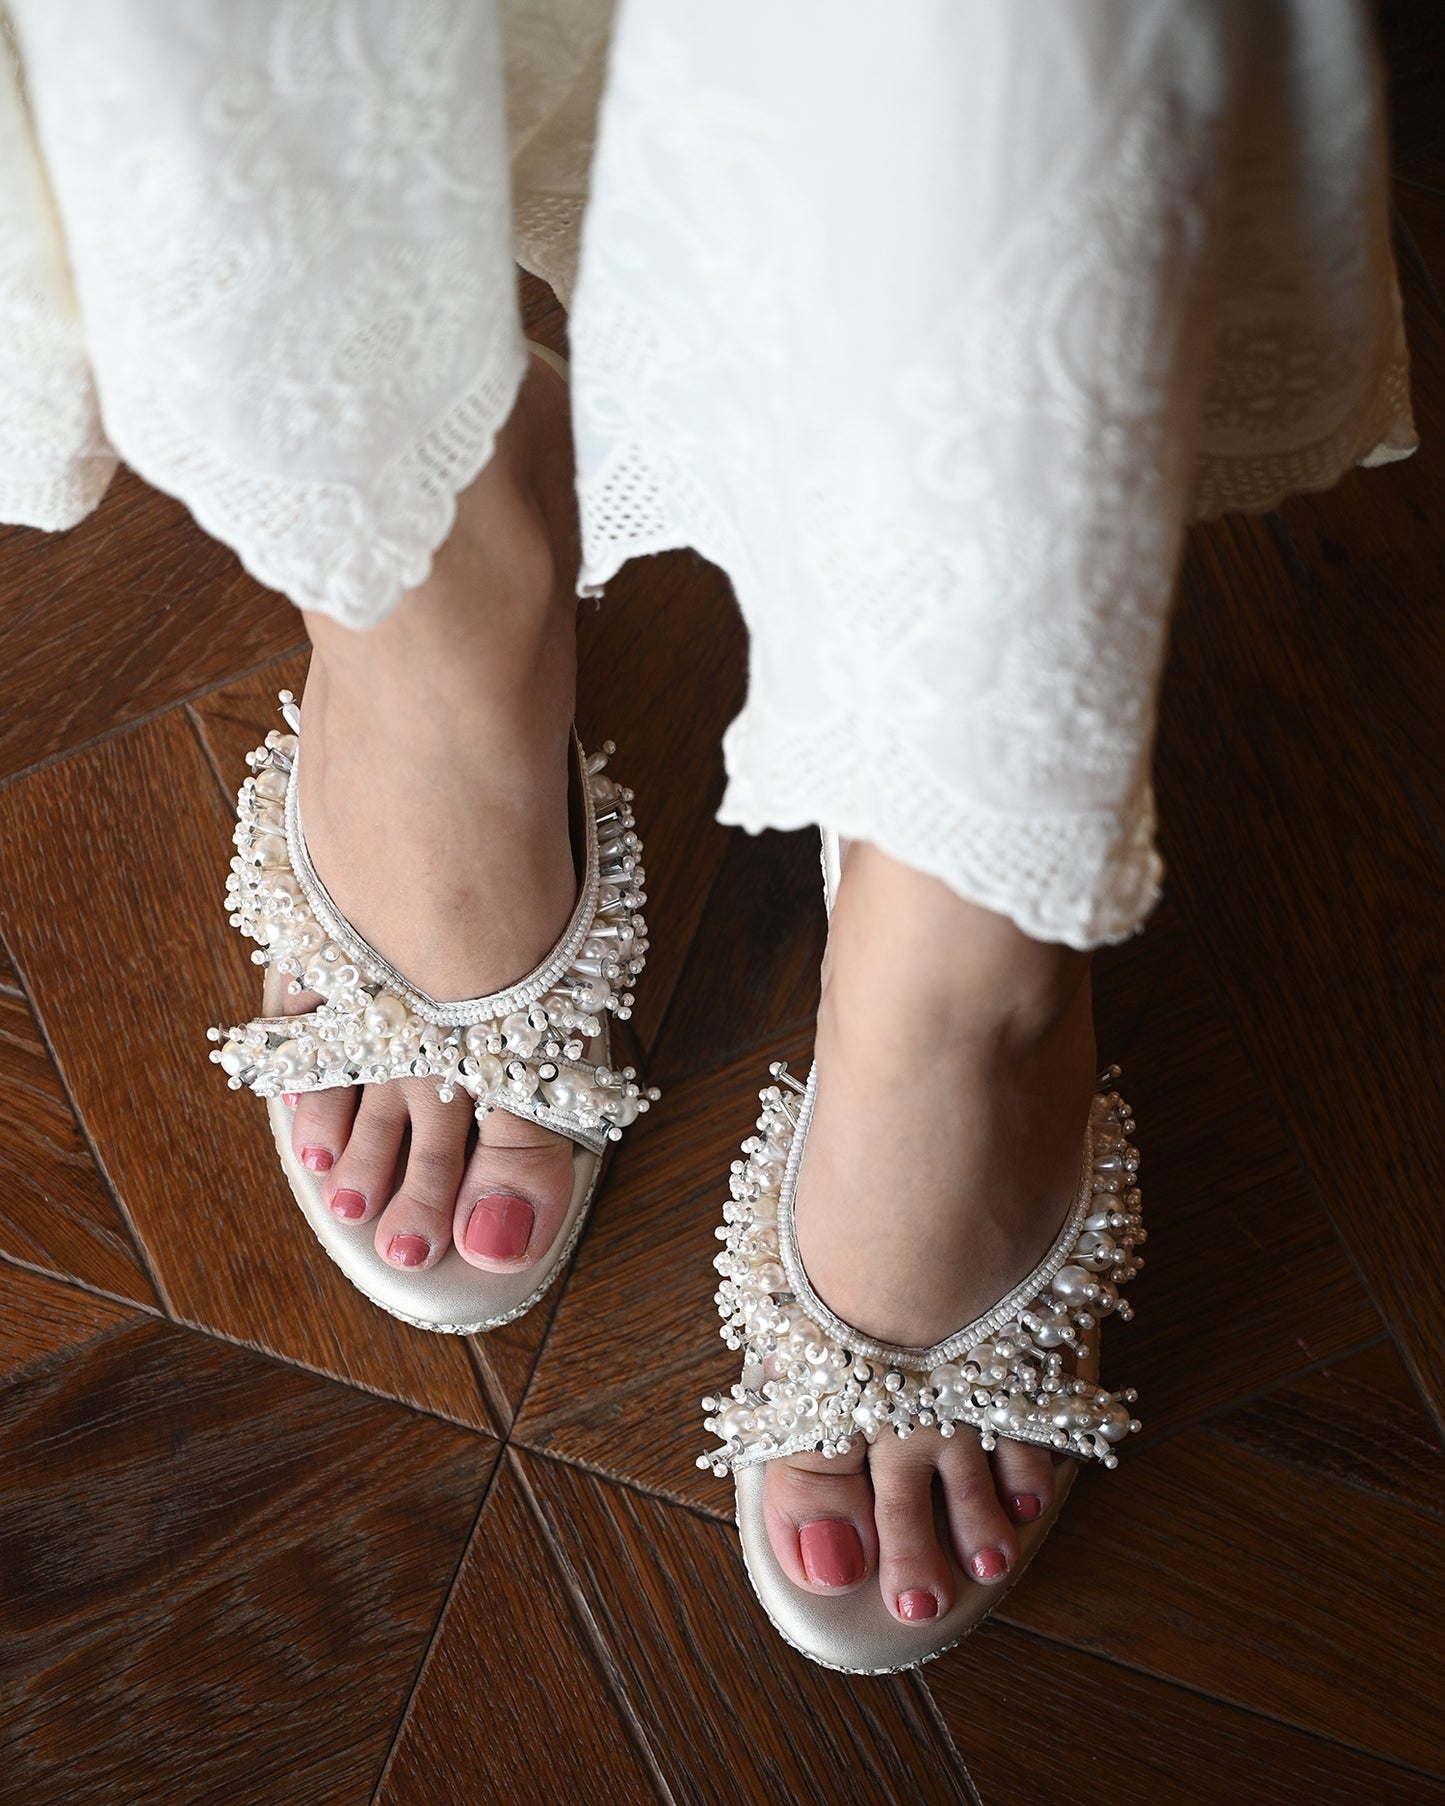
[531, 1049]
[811, 1381]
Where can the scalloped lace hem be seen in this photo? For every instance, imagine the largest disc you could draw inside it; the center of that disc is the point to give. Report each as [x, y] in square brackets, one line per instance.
[348, 551]
[1087, 878]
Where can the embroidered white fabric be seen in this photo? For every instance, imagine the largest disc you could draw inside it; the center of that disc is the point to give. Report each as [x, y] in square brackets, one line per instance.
[933, 332]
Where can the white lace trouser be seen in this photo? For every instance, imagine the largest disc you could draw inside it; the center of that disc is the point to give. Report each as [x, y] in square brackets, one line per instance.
[933, 325]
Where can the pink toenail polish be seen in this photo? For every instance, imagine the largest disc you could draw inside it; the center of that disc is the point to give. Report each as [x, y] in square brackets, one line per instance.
[917, 1604]
[318, 1160]
[349, 1204]
[832, 1553]
[988, 1564]
[500, 1226]
[290, 1099]
[408, 1250]
[1025, 1507]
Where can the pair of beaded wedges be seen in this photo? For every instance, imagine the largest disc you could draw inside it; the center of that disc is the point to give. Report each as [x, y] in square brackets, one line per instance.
[540, 1049]
[1026, 1369]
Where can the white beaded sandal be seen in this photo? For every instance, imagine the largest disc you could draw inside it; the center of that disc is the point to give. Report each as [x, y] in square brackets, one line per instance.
[1027, 1369]
[540, 1049]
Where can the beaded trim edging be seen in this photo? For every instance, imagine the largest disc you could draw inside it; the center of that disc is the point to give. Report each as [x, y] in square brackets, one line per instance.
[524, 1050]
[1017, 1371]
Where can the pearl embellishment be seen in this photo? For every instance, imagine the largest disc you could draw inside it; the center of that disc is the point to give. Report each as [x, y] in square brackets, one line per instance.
[538, 1057]
[1020, 1379]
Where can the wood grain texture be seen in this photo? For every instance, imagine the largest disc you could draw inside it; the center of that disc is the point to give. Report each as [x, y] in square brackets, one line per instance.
[1157, 1745]
[129, 957]
[662, 671]
[693, 1647]
[126, 613]
[216, 1574]
[56, 1210]
[1412, 39]
[510, 1655]
[1267, 1586]
[1303, 872]
[1218, 1173]
[42, 1318]
[1357, 1421]
[751, 978]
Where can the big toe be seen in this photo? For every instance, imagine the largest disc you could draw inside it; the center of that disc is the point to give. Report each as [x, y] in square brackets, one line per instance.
[514, 1194]
[819, 1516]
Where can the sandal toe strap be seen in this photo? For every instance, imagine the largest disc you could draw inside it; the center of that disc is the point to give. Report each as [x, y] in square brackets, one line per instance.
[538, 1050]
[1022, 1371]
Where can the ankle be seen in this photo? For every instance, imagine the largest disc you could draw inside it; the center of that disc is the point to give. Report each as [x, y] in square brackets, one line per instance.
[960, 976]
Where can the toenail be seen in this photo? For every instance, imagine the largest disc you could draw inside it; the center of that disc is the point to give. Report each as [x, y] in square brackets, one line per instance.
[408, 1250]
[319, 1160]
[349, 1204]
[917, 1604]
[500, 1226]
[1025, 1507]
[988, 1564]
[832, 1553]
[290, 1099]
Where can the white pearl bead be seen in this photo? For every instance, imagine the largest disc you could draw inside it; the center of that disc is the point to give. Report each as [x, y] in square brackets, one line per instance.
[1116, 1423]
[521, 1037]
[1071, 1284]
[948, 1382]
[770, 1277]
[234, 1059]
[289, 1062]
[386, 1016]
[271, 783]
[564, 1092]
[270, 851]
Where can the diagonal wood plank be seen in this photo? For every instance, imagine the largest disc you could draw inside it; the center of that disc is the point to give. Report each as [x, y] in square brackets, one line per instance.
[1218, 1172]
[41, 1318]
[56, 1210]
[1268, 1587]
[192, 1161]
[1133, 1740]
[218, 1573]
[751, 978]
[509, 1656]
[730, 1711]
[1311, 891]
[125, 614]
[1357, 1421]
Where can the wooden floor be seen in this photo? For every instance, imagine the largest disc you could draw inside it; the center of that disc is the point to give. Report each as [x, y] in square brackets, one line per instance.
[261, 1544]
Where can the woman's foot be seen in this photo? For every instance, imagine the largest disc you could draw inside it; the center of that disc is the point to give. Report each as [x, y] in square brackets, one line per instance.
[955, 1066]
[435, 753]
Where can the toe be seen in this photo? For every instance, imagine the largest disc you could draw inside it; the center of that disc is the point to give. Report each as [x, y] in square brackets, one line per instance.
[364, 1176]
[323, 1119]
[819, 1517]
[913, 1569]
[985, 1541]
[321, 1127]
[1023, 1477]
[415, 1228]
[514, 1194]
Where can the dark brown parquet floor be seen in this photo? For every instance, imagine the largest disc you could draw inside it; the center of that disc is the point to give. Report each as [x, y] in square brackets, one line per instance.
[262, 1545]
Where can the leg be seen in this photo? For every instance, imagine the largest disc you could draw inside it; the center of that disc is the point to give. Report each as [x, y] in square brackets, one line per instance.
[434, 791]
[956, 1060]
